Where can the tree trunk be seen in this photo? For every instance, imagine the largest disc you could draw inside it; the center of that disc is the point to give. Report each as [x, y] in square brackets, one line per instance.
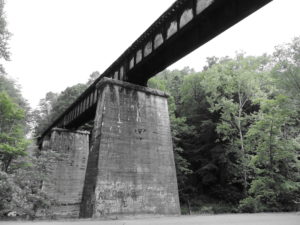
[6, 164]
[245, 184]
[271, 151]
[189, 207]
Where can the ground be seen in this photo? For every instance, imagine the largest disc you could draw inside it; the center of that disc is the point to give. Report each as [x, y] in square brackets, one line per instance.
[226, 219]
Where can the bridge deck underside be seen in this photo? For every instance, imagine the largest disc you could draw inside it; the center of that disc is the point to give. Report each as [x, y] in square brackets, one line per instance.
[185, 26]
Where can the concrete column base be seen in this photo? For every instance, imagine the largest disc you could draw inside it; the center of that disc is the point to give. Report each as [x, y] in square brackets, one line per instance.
[131, 167]
[65, 183]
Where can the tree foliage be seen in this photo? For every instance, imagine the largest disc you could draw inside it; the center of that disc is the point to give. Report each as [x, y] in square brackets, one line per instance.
[12, 141]
[243, 142]
[54, 104]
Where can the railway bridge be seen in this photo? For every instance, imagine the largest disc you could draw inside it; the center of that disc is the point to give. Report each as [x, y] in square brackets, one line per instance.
[125, 166]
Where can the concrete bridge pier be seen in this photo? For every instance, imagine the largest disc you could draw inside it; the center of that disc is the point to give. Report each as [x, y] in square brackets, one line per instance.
[65, 183]
[131, 168]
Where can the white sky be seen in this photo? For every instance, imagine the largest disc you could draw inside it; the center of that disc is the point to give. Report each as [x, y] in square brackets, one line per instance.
[59, 43]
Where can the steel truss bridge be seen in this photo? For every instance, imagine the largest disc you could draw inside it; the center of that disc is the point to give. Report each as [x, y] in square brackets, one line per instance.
[182, 28]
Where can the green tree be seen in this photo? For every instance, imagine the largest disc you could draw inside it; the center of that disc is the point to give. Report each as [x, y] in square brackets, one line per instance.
[205, 156]
[65, 99]
[287, 70]
[12, 89]
[230, 87]
[12, 141]
[42, 115]
[272, 137]
[93, 77]
[53, 105]
[21, 191]
[180, 130]
[10, 86]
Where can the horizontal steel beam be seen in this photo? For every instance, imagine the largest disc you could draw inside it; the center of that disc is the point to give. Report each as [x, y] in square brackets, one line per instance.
[185, 26]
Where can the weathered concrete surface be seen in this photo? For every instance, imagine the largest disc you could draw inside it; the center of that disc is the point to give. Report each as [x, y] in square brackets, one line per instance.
[227, 219]
[65, 184]
[131, 166]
